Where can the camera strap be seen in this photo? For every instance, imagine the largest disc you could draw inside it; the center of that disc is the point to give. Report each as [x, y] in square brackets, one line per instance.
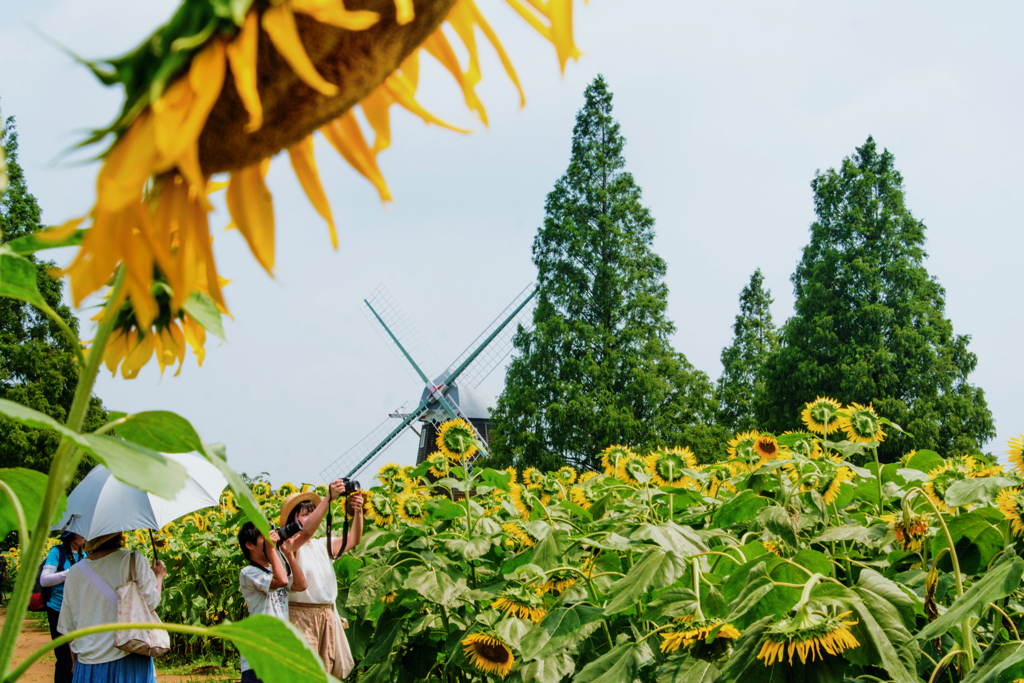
[330, 527]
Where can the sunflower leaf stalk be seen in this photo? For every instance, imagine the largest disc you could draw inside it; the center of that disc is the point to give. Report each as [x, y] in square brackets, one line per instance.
[58, 479]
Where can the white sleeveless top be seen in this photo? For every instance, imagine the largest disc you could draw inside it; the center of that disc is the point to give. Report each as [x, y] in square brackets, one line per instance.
[321, 581]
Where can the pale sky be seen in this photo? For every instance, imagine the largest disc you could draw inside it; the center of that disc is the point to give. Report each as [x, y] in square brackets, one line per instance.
[728, 109]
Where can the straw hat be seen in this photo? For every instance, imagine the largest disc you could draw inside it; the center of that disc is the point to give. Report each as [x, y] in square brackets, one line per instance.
[291, 501]
[94, 543]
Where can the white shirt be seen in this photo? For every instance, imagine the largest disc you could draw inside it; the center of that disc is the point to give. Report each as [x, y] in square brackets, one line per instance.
[254, 583]
[84, 605]
[321, 581]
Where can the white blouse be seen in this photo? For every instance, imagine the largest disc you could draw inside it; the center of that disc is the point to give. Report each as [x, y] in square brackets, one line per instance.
[321, 581]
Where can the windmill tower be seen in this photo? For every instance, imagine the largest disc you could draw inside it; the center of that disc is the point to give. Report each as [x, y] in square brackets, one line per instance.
[453, 393]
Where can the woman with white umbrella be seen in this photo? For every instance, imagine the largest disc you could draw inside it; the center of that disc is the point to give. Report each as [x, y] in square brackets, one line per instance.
[97, 659]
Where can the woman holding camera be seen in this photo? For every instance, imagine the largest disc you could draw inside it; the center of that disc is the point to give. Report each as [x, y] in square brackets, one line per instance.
[313, 610]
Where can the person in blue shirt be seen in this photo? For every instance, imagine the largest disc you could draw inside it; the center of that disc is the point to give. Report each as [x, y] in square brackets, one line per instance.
[55, 569]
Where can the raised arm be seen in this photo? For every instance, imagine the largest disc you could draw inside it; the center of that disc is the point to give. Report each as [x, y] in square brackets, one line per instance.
[298, 577]
[318, 514]
[280, 574]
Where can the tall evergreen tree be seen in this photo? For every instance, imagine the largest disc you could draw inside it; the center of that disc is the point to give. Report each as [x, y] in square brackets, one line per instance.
[37, 365]
[869, 323]
[597, 368]
[754, 338]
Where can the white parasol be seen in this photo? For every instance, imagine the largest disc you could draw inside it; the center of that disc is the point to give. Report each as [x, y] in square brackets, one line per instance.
[101, 504]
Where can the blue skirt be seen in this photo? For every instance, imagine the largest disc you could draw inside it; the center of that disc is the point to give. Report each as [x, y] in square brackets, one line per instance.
[130, 669]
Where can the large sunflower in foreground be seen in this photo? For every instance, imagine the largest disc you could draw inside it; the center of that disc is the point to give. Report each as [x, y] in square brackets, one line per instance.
[223, 86]
[821, 415]
[861, 424]
[488, 654]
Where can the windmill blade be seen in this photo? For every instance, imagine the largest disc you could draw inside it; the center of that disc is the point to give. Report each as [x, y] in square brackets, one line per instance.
[383, 435]
[498, 349]
[408, 336]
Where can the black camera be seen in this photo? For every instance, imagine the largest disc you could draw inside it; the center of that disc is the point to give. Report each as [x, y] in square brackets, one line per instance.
[351, 486]
[288, 530]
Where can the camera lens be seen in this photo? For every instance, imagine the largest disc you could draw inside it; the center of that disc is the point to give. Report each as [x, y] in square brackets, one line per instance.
[289, 530]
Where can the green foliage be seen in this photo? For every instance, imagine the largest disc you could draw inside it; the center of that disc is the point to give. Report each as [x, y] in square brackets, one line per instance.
[754, 338]
[37, 363]
[597, 368]
[869, 325]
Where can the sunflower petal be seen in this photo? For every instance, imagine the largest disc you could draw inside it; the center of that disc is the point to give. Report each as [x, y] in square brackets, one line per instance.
[398, 87]
[346, 137]
[560, 13]
[438, 46]
[404, 12]
[491, 36]
[304, 164]
[279, 23]
[252, 211]
[375, 106]
[333, 12]
[128, 166]
[195, 335]
[241, 54]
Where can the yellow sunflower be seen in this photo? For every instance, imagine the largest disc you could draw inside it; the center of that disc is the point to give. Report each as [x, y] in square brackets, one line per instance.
[1011, 505]
[827, 478]
[771, 547]
[696, 632]
[587, 476]
[389, 598]
[455, 440]
[956, 468]
[911, 531]
[1016, 453]
[806, 635]
[388, 472]
[767, 447]
[821, 415]
[557, 583]
[262, 490]
[585, 497]
[411, 506]
[742, 445]
[488, 654]
[629, 468]
[532, 477]
[611, 456]
[522, 603]
[518, 534]
[524, 501]
[227, 501]
[567, 475]
[380, 508]
[718, 476]
[803, 443]
[400, 483]
[438, 464]
[666, 465]
[861, 424]
[513, 475]
[286, 489]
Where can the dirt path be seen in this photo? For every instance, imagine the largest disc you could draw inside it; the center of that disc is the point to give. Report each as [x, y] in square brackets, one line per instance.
[33, 637]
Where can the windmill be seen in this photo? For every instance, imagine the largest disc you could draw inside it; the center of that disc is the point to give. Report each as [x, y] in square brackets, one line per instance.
[450, 395]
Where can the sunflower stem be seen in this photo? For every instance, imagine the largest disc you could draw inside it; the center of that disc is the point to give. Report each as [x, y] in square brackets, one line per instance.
[967, 662]
[699, 614]
[57, 481]
[878, 477]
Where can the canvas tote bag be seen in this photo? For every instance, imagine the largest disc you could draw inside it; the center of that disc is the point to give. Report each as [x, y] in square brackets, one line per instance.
[132, 609]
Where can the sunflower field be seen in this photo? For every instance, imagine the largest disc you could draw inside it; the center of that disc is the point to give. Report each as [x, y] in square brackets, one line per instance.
[799, 558]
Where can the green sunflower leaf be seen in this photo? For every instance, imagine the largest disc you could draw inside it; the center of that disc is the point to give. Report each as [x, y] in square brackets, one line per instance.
[1002, 663]
[621, 663]
[1000, 581]
[977, 491]
[28, 487]
[561, 630]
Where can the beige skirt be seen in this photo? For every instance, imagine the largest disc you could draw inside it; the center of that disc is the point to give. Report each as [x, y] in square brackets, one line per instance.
[325, 632]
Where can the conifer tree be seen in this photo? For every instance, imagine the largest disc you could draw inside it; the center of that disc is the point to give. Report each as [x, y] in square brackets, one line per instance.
[869, 325]
[37, 365]
[754, 338]
[597, 368]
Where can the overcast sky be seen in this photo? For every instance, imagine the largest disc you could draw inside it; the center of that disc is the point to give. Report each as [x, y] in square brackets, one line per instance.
[728, 109]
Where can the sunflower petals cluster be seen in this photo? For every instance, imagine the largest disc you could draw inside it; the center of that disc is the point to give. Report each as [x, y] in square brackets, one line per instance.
[821, 415]
[1011, 504]
[806, 634]
[911, 529]
[488, 653]
[456, 440]
[522, 603]
[697, 632]
[666, 465]
[861, 424]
